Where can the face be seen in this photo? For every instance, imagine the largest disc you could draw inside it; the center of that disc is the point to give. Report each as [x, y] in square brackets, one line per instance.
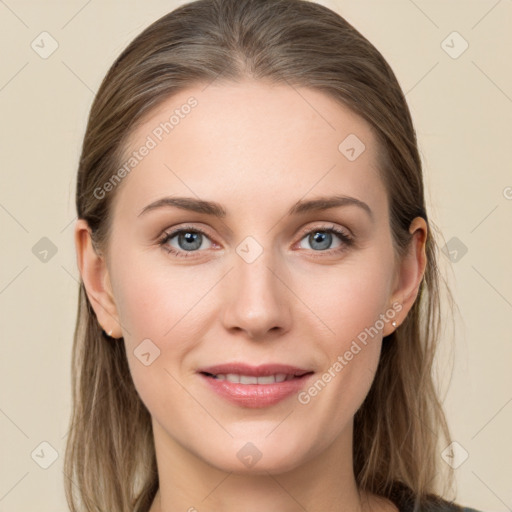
[266, 283]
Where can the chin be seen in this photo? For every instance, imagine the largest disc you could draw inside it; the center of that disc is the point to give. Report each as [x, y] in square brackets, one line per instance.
[257, 457]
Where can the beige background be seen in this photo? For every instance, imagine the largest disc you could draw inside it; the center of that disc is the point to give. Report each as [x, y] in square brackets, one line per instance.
[462, 108]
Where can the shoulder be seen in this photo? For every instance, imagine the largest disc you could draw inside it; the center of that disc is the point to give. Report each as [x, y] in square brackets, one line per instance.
[449, 506]
[438, 504]
[403, 497]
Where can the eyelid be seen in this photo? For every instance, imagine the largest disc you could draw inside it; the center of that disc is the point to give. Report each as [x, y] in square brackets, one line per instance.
[323, 226]
[347, 240]
[171, 233]
[345, 235]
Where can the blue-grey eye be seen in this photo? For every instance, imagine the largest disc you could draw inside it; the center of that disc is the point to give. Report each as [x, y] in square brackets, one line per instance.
[187, 240]
[320, 240]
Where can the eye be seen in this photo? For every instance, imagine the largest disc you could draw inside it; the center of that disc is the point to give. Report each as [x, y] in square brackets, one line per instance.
[321, 238]
[188, 240]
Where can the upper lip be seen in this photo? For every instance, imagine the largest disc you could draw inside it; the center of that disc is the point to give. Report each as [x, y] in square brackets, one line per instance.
[256, 371]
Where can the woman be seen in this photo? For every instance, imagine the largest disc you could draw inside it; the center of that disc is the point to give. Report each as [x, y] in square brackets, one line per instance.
[259, 306]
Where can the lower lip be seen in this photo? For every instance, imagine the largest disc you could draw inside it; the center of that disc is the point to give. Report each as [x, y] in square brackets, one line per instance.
[256, 395]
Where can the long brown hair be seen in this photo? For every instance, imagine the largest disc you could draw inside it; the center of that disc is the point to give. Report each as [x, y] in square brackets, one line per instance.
[110, 462]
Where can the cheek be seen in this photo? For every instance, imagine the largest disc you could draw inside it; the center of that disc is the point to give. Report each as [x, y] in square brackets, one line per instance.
[162, 313]
[156, 300]
[346, 300]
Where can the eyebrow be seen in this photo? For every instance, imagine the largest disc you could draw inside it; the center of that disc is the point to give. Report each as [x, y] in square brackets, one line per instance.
[216, 210]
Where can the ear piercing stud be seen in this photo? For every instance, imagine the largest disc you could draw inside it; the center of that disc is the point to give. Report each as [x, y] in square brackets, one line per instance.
[109, 333]
[393, 323]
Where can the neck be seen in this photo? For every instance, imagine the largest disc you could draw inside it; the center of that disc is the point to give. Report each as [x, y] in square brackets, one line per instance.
[323, 482]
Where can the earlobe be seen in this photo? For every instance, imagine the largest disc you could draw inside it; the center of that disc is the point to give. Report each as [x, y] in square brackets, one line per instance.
[94, 272]
[411, 271]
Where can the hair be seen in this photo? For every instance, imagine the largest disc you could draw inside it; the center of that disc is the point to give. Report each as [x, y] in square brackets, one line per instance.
[398, 428]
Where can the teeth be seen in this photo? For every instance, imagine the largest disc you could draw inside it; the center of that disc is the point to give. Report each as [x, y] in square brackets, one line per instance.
[269, 379]
[250, 379]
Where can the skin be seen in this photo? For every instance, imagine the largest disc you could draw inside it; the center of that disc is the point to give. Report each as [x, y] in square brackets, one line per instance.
[256, 149]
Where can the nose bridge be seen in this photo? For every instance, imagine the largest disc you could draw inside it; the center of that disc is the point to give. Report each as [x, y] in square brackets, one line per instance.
[256, 277]
[257, 301]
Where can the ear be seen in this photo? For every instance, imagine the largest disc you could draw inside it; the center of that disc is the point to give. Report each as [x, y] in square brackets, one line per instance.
[409, 273]
[94, 272]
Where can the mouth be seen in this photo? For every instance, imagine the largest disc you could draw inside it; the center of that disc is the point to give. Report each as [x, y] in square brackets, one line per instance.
[252, 379]
[255, 387]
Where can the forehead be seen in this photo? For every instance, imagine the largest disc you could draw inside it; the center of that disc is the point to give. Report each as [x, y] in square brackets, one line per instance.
[248, 143]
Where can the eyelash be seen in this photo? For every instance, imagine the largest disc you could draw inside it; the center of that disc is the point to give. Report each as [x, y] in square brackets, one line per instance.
[347, 240]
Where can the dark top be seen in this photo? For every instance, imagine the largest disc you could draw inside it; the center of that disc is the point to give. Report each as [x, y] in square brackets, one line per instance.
[403, 498]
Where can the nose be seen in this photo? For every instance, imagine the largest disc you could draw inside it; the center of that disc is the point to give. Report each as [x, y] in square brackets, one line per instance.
[258, 299]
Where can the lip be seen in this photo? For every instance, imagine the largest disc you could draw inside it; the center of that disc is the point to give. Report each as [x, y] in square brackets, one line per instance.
[254, 371]
[255, 395]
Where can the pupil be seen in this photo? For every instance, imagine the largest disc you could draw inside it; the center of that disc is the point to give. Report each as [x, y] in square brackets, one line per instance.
[324, 239]
[190, 238]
